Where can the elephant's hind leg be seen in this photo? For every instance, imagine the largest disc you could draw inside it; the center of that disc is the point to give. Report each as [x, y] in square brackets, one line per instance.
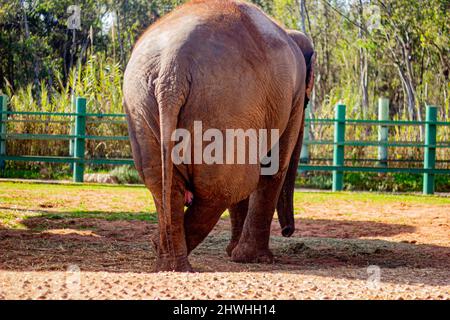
[238, 213]
[146, 152]
[172, 258]
[200, 219]
[253, 245]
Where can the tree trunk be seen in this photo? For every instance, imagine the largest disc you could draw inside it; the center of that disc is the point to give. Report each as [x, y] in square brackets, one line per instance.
[27, 37]
[409, 93]
[302, 7]
[363, 65]
[73, 49]
[119, 40]
[125, 24]
[11, 63]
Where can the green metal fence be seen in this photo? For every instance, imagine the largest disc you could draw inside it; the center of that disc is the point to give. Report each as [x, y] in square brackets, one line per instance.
[430, 145]
[78, 139]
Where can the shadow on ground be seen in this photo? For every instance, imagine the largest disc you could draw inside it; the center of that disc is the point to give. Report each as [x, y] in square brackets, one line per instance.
[53, 241]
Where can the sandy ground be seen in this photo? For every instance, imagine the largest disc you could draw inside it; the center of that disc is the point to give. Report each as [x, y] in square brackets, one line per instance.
[340, 250]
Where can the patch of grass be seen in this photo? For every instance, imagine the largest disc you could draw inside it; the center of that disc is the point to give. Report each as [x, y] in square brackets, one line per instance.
[6, 187]
[13, 219]
[320, 197]
[108, 216]
[61, 201]
[19, 201]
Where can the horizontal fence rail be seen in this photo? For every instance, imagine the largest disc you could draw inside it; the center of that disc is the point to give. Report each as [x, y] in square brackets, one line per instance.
[79, 118]
[77, 138]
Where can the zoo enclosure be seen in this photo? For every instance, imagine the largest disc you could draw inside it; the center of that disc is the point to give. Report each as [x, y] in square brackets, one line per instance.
[77, 139]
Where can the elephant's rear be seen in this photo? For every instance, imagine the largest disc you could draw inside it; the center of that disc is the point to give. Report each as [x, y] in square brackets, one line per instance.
[208, 61]
[226, 64]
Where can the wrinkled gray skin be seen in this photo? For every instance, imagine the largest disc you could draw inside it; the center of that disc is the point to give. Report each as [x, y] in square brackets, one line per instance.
[227, 64]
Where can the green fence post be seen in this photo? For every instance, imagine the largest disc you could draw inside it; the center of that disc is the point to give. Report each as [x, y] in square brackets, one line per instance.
[429, 160]
[383, 115]
[304, 153]
[338, 154]
[80, 131]
[3, 124]
[72, 126]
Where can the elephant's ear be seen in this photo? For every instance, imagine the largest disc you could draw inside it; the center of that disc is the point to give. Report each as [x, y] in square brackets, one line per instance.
[307, 48]
[310, 76]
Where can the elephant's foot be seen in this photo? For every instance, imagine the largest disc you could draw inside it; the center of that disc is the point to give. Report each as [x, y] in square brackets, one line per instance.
[231, 246]
[166, 263]
[245, 253]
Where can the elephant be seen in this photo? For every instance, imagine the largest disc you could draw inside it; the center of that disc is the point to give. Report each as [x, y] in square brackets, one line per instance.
[227, 64]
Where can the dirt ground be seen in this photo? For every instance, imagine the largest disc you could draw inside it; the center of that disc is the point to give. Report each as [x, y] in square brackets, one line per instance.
[92, 242]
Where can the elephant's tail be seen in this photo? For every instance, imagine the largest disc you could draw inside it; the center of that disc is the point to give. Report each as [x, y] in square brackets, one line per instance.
[171, 92]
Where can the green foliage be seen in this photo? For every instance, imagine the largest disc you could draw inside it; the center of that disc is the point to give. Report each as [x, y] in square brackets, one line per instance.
[314, 181]
[36, 171]
[99, 81]
[37, 50]
[41, 68]
[286, 12]
[126, 175]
